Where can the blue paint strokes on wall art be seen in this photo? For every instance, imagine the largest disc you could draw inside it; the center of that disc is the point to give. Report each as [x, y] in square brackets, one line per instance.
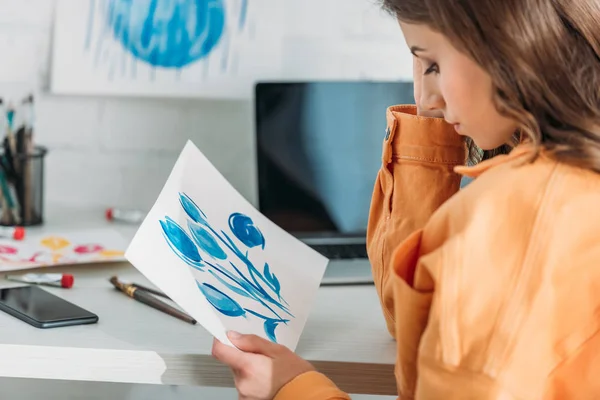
[99, 48]
[90, 25]
[203, 248]
[225, 54]
[243, 14]
[167, 33]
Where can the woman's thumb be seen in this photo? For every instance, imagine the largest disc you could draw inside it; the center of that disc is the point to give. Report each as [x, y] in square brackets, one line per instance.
[251, 343]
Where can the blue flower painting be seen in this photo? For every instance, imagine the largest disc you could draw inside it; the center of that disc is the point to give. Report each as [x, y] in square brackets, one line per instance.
[224, 257]
[166, 48]
[167, 33]
[171, 36]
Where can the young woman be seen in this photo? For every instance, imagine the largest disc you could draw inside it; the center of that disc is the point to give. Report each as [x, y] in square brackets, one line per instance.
[493, 291]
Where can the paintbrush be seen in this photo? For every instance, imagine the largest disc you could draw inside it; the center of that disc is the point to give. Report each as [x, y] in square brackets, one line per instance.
[144, 297]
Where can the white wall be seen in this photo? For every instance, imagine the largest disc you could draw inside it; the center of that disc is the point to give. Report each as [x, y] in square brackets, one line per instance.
[119, 151]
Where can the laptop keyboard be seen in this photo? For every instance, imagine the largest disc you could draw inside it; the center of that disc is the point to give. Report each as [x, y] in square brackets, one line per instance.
[342, 251]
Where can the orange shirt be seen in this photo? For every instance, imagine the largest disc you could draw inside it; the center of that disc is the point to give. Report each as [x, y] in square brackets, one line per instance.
[492, 292]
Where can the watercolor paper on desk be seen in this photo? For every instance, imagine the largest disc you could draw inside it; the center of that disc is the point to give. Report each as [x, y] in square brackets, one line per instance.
[221, 260]
[62, 248]
[197, 48]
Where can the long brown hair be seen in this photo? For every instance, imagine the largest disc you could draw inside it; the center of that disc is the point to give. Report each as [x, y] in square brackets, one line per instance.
[544, 60]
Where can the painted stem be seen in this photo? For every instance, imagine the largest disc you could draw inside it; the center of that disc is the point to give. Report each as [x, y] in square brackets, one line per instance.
[232, 246]
[235, 250]
[233, 279]
[271, 300]
[251, 269]
[283, 321]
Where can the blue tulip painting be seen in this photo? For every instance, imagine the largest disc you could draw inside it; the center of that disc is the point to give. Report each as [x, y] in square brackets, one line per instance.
[223, 256]
[165, 47]
[221, 261]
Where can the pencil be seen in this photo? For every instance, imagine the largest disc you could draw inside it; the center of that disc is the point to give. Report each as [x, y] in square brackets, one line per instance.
[146, 298]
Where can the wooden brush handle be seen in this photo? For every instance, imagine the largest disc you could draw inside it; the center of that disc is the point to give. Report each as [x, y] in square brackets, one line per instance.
[150, 300]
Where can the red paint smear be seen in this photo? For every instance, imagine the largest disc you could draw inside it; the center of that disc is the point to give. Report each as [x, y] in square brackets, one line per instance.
[8, 250]
[35, 256]
[88, 249]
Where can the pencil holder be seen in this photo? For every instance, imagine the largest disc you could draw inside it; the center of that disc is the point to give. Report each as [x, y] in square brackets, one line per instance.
[22, 188]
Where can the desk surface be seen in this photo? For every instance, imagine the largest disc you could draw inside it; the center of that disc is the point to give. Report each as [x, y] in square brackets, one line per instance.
[345, 337]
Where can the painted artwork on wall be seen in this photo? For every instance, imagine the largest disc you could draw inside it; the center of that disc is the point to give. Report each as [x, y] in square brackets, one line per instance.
[199, 48]
[221, 260]
[62, 248]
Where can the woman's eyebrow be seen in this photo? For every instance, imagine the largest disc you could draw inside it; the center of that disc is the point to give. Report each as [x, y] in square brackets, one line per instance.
[415, 49]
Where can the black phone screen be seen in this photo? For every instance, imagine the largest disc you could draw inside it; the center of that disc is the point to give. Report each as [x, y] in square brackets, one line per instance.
[41, 308]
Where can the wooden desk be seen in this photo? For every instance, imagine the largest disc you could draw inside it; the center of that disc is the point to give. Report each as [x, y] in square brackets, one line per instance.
[345, 337]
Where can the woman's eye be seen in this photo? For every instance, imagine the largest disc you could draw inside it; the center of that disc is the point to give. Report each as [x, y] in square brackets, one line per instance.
[433, 68]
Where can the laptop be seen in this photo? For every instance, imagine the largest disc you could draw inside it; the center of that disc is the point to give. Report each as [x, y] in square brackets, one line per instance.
[318, 151]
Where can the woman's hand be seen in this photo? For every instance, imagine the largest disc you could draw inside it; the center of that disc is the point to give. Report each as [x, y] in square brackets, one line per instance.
[260, 368]
[418, 75]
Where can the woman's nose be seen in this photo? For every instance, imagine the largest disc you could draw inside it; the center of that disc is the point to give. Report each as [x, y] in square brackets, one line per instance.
[431, 101]
[431, 98]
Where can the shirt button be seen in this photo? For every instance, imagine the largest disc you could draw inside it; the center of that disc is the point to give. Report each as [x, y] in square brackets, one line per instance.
[387, 133]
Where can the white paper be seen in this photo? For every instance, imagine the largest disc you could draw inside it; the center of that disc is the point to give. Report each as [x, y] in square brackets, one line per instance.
[62, 248]
[211, 203]
[187, 48]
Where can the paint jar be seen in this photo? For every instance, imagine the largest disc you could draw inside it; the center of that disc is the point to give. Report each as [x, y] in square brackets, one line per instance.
[22, 187]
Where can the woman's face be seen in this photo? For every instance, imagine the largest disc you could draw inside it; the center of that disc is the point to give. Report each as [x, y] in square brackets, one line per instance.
[458, 87]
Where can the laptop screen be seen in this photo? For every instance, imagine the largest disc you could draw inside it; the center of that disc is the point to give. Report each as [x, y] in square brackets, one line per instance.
[318, 152]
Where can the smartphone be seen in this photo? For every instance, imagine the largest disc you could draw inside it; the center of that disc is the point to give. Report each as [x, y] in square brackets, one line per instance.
[42, 309]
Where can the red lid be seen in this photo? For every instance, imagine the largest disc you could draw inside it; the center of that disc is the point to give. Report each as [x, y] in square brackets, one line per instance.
[109, 214]
[19, 233]
[67, 281]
